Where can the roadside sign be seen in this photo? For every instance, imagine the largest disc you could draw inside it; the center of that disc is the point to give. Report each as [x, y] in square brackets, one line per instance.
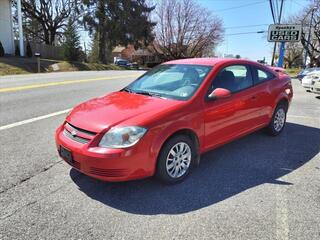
[284, 33]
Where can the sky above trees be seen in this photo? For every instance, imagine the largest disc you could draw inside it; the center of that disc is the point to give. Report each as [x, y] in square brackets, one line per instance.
[255, 12]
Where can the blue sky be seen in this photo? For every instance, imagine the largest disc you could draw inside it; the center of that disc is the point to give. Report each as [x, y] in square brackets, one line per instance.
[252, 46]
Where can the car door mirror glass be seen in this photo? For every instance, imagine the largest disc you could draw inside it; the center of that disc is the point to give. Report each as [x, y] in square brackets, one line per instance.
[219, 93]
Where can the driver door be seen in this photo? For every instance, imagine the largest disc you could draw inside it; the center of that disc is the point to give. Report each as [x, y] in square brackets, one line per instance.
[227, 118]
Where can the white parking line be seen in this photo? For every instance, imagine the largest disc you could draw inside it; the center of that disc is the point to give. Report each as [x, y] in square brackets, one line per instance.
[16, 124]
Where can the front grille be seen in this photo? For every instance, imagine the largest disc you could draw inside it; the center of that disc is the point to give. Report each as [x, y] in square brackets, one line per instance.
[80, 130]
[77, 134]
[108, 172]
[75, 138]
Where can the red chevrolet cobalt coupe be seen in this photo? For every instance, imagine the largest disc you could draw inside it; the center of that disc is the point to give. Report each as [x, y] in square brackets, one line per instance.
[162, 122]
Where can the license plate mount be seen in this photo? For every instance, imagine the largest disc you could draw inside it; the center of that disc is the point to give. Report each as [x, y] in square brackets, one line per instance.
[66, 154]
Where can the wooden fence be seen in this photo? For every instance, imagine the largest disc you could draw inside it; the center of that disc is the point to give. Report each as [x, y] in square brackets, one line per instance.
[46, 51]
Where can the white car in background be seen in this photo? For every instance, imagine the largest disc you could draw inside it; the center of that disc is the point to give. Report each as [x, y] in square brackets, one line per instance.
[316, 87]
[309, 80]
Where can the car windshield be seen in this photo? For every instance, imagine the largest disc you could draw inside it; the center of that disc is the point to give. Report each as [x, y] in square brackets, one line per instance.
[175, 81]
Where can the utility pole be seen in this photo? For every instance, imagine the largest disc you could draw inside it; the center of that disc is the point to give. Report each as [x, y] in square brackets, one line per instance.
[282, 44]
[274, 21]
[21, 43]
[309, 36]
[281, 54]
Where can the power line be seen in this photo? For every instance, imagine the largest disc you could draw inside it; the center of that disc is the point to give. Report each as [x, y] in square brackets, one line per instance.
[281, 7]
[243, 33]
[240, 6]
[247, 26]
[272, 12]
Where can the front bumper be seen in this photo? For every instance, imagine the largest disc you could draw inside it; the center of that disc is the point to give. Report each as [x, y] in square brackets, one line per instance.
[108, 164]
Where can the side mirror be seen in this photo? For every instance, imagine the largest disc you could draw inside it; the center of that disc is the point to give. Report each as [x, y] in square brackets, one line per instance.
[219, 93]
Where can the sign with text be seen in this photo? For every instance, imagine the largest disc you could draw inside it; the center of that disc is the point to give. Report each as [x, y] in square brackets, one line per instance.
[284, 33]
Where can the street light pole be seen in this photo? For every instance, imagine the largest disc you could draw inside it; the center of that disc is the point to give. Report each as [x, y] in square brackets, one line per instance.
[309, 36]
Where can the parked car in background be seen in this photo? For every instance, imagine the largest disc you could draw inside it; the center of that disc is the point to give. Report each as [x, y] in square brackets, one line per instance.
[162, 122]
[126, 63]
[316, 87]
[316, 84]
[122, 63]
[308, 81]
[305, 71]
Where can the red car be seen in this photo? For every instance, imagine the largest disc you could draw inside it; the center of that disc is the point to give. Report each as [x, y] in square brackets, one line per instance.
[162, 122]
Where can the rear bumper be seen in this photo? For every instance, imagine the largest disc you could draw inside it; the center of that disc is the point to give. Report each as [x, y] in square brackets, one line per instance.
[108, 164]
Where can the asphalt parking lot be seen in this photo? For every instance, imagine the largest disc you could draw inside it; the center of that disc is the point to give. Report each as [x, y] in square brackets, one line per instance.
[258, 187]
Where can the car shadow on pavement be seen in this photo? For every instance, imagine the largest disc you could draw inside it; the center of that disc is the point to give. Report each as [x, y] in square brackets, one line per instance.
[224, 172]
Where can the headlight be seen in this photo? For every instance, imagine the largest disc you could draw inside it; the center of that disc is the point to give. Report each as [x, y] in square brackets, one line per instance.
[122, 137]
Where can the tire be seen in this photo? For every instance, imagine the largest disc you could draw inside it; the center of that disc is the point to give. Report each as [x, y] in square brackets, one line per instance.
[278, 120]
[175, 170]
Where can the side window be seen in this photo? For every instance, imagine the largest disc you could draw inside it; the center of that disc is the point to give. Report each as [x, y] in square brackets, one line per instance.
[262, 76]
[234, 78]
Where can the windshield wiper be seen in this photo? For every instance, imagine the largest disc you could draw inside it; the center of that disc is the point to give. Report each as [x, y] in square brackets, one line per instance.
[126, 89]
[152, 94]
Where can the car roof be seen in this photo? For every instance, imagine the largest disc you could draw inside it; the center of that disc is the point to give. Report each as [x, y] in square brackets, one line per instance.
[208, 61]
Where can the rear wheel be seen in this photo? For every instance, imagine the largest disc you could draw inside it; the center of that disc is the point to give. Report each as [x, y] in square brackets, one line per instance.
[175, 159]
[278, 120]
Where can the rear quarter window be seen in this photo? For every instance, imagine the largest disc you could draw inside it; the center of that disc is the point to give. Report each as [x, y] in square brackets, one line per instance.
[262, 75]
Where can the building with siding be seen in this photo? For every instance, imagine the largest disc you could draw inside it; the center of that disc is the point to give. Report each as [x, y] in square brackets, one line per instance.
[6, 27]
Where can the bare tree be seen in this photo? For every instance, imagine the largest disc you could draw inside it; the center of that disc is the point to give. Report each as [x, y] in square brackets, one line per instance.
[312, 45]
[46, 19]
[293, 56]
[185, 29]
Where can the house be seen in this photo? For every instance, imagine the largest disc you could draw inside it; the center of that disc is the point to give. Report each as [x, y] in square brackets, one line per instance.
[6, 27]
[141, 55]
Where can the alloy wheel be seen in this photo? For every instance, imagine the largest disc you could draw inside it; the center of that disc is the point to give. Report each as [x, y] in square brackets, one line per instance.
[279, 119]
[178, 160]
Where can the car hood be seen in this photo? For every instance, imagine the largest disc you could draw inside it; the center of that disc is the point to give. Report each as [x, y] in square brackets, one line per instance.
[104, 112]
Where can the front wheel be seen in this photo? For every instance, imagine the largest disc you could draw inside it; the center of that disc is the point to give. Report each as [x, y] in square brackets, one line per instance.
[175, 159]
[278, 120]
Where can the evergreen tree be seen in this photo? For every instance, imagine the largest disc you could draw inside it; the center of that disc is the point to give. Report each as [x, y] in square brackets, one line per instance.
[1, 50]
[72, 42]
[94, 53]
[118, 23]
